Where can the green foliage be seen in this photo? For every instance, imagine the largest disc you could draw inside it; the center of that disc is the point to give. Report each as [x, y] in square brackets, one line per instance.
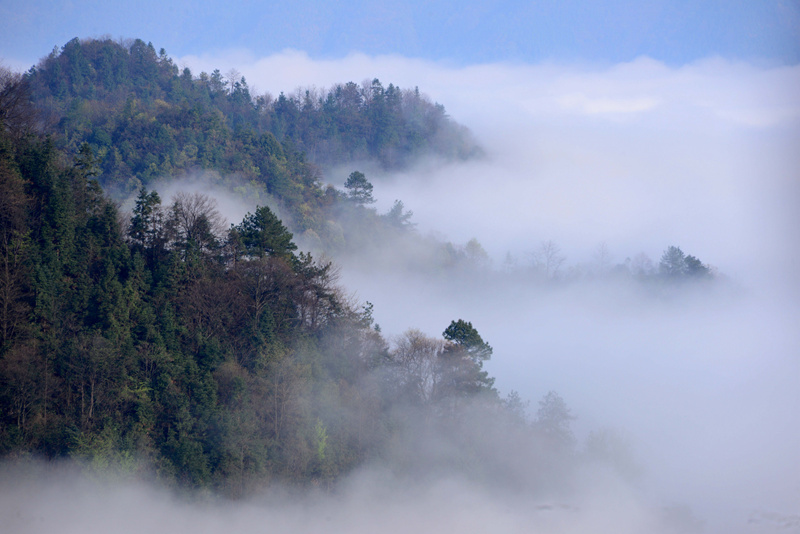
[321, 434]
[675, 264]
[214, 357]
[144, 120]
[359, 190]
[262, 234]
[463, 334]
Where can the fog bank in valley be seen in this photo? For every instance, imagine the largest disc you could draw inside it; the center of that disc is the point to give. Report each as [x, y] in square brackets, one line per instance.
[635, 157]
[65, 501]
[700, 380]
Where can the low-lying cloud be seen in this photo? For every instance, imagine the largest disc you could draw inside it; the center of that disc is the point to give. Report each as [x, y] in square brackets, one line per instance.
[68, 501]
[636, 156]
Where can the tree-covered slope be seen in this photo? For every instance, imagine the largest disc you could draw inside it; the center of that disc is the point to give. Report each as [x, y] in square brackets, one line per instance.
[145, 119]
[216, 357]
[213, 356]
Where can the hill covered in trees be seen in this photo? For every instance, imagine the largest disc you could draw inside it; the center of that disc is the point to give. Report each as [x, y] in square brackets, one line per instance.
[222, 356]
[145, 118]
[147, 121]
[214, 356]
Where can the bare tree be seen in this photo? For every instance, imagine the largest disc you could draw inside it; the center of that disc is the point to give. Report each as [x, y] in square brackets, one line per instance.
[547, 259]
[196, 220]
[602, 259]
[417, 357]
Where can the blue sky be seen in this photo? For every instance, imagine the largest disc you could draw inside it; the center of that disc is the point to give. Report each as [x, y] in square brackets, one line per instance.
[462, 32]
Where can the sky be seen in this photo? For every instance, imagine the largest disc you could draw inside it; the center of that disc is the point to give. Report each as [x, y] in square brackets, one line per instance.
[461, 32]
[633, 125]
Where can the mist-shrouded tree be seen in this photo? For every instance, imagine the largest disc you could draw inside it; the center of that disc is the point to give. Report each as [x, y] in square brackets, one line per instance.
[694, 267]
[196, 221]
[547, 259]
[517, 408]
[461, 362]
[416, 357]
[674, 263]
[464, 335]
[553, 420]
[476, 255]
[359, 189]
[435, 372]
[398, 216]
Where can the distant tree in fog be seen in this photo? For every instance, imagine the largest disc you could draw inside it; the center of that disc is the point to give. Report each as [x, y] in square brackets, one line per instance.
[674, 263]
[359, 189]
[398, 217]
[476, 255]
[553, 419]
[461, 362]
[416, 356]
[548, 260]
[432, 370]
[516, 407]
[463, 334]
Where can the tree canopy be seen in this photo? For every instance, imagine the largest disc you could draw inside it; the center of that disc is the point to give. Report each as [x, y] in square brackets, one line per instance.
[463, 334]
[262, 234]
[359, 189]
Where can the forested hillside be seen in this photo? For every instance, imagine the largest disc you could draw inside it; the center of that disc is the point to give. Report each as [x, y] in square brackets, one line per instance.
[145, 121]
[217, 355]
[146, 118]
[213, 356]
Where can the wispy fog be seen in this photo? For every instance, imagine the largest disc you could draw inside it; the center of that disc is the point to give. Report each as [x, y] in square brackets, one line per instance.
[703, 381]
[636, 156]
[68, 502]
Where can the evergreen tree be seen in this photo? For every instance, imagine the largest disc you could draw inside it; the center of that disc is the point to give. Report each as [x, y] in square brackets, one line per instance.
[359, 189]
[263, 234]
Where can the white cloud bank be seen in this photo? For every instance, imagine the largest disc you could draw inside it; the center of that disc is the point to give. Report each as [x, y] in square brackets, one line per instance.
[638, 156]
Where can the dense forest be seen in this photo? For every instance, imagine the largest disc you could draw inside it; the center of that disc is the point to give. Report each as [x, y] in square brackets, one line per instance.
[148, 122]
[223, 357]
[215, 355]
[145, 119]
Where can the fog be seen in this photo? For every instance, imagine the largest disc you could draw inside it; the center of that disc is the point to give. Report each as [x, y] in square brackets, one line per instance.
[62, 500]
[635, 156]
[703, 381]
